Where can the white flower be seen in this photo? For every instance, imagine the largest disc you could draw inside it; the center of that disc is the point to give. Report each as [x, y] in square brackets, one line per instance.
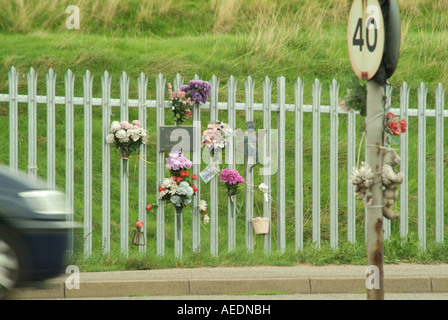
[202, 205]
[206, 219]
[124, 140]
[110, 138]
[120, 134]
[173, 189]
[115, 126]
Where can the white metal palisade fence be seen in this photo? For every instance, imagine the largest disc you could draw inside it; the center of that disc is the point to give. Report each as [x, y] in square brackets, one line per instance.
[280, 108]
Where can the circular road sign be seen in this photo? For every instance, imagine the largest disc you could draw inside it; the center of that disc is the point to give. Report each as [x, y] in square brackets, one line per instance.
[365, 37]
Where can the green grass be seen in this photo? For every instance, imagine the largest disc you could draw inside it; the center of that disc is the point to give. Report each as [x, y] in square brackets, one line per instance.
[262, 38]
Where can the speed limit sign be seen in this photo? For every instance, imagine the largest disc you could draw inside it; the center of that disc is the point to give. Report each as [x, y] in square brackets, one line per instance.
[365, 37]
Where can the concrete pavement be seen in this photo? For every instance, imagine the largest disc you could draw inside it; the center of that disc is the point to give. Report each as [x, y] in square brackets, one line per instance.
[301, 279]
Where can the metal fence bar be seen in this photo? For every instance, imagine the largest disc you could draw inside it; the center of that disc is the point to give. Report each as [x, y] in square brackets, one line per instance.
[351, 163]
[317, 88]
[70, 150]
[281, 176]
[440, 93]
[88, 85]
[106, 114]
[160, 228]
[13, 78]
[249, 92]
[142, 173]
[51, 129]
[197, 138]
[422, 94]
[334, 137]
[124, 172]
[230, 155]
[266, 159]
[404, 166]
[214, 181]
[298, 185]
[32, 124]
[386, 222]
[178, 224]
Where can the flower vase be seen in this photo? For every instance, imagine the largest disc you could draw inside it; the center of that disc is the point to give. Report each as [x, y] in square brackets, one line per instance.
[178, 232]
[124, 156]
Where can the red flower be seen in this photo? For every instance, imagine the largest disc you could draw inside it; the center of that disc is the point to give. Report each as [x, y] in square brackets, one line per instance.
[161, 189]
[139, 224]
[394, 127]
[179, 179]
[188, 114]
[403, 125]
[194, 188]
[148, 207]
[182, 173]
[390, 115]
[187, 173]
[194, 177]
[175, 178]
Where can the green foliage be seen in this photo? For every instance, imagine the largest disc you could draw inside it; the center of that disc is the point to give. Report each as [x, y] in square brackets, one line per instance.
[356, 97]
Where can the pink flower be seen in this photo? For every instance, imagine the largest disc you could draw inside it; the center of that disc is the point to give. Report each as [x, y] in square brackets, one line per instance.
[394, 127]
[137, 123]
[139, 224]
[403, 125]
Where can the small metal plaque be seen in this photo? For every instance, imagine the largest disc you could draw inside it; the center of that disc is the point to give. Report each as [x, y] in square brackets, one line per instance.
[175, 138]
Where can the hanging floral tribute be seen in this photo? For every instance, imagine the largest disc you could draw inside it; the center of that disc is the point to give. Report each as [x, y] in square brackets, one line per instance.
[185, 98]
[128, 137]
[179, 189]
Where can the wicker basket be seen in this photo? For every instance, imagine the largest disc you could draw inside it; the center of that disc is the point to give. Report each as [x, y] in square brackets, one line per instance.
[261, 226]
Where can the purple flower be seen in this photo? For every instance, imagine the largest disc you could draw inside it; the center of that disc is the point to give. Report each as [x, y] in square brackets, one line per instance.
[176, 161]
[198, 90]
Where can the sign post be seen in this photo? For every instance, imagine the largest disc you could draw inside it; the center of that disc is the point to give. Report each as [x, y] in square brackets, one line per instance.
[365, 39]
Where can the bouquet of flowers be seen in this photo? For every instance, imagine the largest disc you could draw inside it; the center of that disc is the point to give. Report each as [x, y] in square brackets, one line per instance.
[198, 91]
[394, 127]
[181, 109]
[231, 178]
[127, 136]
[202, 207]
[217, 135]
[178, 189]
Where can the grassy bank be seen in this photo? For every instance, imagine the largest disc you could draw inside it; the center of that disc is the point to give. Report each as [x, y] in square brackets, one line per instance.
[305, 39]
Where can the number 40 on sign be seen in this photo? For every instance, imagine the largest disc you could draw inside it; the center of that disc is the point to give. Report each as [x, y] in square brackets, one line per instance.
[365, 38]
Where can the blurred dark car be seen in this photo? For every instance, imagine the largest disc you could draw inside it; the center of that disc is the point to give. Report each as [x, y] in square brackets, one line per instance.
[34, 231]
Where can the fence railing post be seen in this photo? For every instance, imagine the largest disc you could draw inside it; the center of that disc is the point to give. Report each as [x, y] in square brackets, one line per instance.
[51, 129]
[249, 93]
[32, 124]
[142, 173]
[317, 88]
[298, 183]
[351, 163]
[13, 77]
[440, 93]
[70, 150]
[421, 213]
[88, 86]
[334, 137]
[106, 114]
[124, 166]
[265, 158]
[404, 165]
[214, 181]
[281, 176]
[230, 155]
[160, 107]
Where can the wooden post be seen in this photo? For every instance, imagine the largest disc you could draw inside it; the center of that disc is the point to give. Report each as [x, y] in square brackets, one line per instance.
[374, 211]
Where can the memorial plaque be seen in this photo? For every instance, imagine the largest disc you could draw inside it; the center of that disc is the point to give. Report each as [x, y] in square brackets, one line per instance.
[175, 138]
